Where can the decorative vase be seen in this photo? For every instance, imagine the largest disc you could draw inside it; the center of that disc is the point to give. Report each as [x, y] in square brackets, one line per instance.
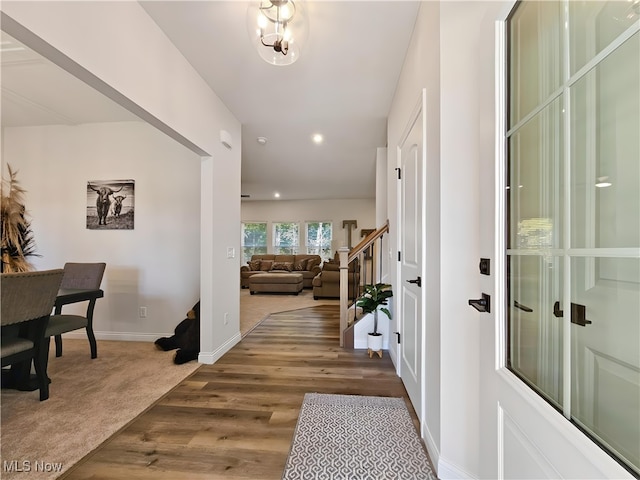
[374, 344]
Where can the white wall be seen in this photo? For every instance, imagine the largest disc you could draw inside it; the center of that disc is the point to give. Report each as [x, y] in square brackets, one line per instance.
[101, 43]
[154, 264]
[421, 69]
[443, 59]
[335, 211]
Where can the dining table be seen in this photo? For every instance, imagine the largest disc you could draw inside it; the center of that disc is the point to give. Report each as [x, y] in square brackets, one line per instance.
[20, 376]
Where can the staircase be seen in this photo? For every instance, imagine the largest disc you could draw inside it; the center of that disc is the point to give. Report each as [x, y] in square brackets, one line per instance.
[366, 252]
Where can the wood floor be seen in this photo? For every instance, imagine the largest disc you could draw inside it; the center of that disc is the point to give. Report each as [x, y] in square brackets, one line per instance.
[235, 419]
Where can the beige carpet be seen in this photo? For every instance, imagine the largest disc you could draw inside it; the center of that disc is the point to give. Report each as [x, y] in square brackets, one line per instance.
[90, 400]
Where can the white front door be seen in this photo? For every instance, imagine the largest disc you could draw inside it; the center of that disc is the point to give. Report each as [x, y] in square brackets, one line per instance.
[411, 159]
[561, 349]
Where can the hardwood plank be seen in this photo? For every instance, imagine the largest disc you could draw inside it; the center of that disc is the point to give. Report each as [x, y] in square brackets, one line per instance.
[235, 419]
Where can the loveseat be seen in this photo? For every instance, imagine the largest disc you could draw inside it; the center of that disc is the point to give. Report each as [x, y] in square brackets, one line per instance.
[327, 283]
[307, 265]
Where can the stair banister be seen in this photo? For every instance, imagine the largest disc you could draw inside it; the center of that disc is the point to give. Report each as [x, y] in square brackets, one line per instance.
[343, 253]
[346, 256]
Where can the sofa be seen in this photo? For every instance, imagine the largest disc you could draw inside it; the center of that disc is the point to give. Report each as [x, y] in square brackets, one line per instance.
[327, 283]
[307, 265]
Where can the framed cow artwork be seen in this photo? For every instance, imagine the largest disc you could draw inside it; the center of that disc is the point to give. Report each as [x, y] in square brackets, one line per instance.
[110, 204]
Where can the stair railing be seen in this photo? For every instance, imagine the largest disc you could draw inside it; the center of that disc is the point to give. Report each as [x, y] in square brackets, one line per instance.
[346, 257]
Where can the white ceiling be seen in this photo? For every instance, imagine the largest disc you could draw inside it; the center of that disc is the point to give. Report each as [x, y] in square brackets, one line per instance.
[341, 87]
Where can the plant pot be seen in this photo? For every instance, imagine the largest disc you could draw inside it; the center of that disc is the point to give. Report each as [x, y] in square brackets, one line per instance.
[374, 344]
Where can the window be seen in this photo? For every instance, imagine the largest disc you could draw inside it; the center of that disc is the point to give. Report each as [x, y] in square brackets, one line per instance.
[286, 238]
[254, 240]
[573, 214]
[319, 236]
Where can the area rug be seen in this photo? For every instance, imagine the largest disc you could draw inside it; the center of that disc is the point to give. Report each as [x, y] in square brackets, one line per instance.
[351, 437]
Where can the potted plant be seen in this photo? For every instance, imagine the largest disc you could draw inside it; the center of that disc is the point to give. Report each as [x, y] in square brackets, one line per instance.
[374, 299]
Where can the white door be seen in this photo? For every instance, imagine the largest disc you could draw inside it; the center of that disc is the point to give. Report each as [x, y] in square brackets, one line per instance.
[411, 151]
[562, 345]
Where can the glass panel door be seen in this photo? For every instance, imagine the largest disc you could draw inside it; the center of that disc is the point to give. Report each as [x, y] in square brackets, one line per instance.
[573, 201]
[605, 236]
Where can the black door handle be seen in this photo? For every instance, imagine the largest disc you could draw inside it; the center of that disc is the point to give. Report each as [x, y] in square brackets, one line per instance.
[556, 310]
[524, 308]
[578, 313]
[482, 304]
[417, 281]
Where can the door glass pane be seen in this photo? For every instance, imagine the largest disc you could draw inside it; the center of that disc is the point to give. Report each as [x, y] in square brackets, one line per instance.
[605, 379]
[605, 160]
[599, 199]
[594, 24]
[535, 334]
[535, 60]
[535, 176]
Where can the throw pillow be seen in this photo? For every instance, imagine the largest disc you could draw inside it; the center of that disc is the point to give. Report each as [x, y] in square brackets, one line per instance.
[330, 267]
[312, 262]
[265, 265]
[300, 265]
[286, 266]
[254, 265]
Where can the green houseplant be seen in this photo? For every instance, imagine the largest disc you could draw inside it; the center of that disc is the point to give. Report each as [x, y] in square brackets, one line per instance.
[374, 298]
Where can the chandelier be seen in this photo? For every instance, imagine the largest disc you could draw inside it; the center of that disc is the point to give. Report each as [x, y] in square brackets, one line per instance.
[278, 30]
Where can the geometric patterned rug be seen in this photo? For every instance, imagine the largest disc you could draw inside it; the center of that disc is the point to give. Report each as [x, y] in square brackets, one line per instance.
[352, 437]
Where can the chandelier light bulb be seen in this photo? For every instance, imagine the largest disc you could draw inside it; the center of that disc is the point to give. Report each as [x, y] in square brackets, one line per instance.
[262, 21]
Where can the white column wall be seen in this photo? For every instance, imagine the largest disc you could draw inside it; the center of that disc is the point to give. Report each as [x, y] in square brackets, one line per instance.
[117, 48]
[421, 69]
[444, 58]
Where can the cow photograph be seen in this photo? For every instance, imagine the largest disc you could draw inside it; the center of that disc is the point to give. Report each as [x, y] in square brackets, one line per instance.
[110, 204]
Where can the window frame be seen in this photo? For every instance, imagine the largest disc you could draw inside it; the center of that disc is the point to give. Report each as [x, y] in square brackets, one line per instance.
[325, 250]
[247, 256]
[289, 249]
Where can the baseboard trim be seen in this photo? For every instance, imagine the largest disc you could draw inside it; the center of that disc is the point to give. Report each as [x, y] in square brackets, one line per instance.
[121, 336]
[446, 471]
[210, 358]
[432, 450]
[204, 357]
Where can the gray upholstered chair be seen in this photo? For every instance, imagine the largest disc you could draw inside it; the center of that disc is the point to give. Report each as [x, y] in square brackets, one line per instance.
[85, 276]
[27, 301]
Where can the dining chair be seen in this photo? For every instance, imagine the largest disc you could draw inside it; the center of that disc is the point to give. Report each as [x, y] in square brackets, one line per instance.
[82, 276]
[27, 301]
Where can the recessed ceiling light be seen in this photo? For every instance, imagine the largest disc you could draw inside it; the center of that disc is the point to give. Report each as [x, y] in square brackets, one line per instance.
[262, 140]
[603, 182]
[277, 195]
[317, 138]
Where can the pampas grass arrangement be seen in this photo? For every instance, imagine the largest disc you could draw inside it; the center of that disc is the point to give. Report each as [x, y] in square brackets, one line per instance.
[17, 242]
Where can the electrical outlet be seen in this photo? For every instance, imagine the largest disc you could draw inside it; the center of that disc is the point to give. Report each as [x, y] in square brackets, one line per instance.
[226, 318]
[143, 312]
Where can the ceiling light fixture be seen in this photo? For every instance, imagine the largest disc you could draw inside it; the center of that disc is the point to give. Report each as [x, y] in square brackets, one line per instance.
[262, 140]
[317, 138]
[603, 182]
[278, 29]
[277, 195]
